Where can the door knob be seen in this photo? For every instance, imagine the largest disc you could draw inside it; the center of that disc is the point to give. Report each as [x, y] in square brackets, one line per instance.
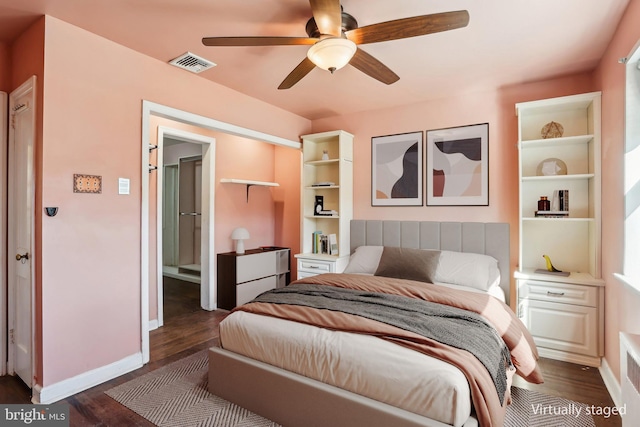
[22, 257]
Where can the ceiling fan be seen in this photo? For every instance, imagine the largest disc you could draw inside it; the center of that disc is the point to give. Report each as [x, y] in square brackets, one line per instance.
[334, 36]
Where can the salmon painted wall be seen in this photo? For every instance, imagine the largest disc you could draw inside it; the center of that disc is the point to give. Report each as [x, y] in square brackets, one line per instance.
[622, 305]
[494, 107]
[92, 124]
[5, 67]
[262, 215]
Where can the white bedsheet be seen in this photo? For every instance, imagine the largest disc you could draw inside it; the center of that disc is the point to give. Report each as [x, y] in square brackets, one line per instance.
[362, 364]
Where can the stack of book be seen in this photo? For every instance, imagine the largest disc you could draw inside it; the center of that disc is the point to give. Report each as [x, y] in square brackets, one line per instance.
[552, 214]
[560, 200]
[324, 243]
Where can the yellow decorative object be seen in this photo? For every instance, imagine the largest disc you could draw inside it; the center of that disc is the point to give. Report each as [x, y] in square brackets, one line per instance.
[552, 130]
[550, 266]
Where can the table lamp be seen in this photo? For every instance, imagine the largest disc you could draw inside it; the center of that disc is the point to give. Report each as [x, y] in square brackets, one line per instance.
[240, 235]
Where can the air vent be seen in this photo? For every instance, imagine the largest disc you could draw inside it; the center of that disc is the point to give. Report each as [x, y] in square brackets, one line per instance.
[191, 62]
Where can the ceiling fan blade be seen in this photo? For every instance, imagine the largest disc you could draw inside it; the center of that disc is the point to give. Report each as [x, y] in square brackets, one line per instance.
[409, 27]
[373, 68]
[257, 41]
[297, 74]
[328, 16]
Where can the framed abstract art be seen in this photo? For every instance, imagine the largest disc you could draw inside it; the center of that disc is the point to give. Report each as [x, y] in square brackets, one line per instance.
[397, 170]
[458, 166]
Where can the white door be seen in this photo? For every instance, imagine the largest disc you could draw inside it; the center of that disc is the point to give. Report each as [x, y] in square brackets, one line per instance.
[21, 211]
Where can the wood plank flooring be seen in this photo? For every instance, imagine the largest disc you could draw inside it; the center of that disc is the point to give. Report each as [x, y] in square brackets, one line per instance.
[188, 329]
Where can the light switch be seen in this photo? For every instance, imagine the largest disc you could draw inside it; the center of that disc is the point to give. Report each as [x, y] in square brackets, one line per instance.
[123, 186]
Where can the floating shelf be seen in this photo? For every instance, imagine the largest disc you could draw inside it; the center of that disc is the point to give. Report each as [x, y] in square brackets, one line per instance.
[249, 183]
[559, 177]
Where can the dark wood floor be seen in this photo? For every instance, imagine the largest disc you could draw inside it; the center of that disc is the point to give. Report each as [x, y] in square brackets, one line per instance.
[188, 329]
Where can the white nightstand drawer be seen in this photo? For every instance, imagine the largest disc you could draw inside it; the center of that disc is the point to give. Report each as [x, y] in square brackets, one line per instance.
[564, 293]
[315, 266]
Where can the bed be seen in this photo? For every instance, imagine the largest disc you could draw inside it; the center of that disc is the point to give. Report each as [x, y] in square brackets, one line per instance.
[299, 374]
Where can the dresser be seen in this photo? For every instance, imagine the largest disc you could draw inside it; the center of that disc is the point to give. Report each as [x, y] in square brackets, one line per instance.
[242, 277]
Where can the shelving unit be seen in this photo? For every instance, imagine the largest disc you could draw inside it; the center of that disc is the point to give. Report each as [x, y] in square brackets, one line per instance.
[336, 174]
[573, 243]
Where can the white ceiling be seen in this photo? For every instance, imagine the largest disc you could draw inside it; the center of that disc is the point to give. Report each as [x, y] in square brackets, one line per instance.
[506, 42]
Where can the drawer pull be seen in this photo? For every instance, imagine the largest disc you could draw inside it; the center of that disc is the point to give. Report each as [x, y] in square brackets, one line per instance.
[314, 266]
[555, 294]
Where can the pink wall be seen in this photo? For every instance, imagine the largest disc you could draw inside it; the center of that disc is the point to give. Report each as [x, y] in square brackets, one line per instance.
[5, 67]
[622, 305]
[92, 124]
[495, 107]
[288, 165]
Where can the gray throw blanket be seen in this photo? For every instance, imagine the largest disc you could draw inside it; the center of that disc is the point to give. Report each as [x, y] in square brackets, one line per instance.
[452, 326]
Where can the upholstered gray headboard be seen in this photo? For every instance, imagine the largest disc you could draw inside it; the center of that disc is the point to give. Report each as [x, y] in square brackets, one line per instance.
[489, 238]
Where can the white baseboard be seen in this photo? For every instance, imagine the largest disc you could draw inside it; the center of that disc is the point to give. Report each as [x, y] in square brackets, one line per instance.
[153, 324]
[65, 388]
[611, 382]
[577, 359]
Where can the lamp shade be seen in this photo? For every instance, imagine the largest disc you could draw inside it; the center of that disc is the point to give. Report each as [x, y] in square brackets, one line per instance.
[332, 53]
[239, 235]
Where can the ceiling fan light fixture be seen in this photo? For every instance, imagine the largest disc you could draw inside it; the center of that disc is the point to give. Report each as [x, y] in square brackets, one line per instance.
[332, 53]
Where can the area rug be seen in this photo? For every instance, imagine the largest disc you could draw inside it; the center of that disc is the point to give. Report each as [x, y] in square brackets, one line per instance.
[176, 395]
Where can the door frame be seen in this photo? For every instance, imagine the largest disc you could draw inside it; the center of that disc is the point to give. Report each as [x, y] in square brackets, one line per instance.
[207, 218]
[4, 138]
[154, 109]
[26, 88]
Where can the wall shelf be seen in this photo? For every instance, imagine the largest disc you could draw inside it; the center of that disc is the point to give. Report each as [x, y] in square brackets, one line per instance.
[249, 183]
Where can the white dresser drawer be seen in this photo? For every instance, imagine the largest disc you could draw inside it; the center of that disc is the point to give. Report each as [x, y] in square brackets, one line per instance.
[563, 327]
[564, 293]
[247, 291]
[255, 266]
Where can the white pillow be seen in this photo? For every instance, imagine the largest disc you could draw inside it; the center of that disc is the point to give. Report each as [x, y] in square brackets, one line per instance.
[364, 260]
[468, 269]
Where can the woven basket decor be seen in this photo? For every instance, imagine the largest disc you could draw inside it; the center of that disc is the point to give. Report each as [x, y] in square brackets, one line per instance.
[552, 130]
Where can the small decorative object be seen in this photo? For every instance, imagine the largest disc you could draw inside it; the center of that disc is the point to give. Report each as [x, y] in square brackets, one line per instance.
[551, 167]
[319, 205]
[325, 155]
[52, 211]
[544, 204]
[87, 183]
[552, 130]
[550, 268]
[240, 235]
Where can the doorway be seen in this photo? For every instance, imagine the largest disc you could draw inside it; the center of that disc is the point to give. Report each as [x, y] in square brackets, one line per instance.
[184, 212]
[150, 109]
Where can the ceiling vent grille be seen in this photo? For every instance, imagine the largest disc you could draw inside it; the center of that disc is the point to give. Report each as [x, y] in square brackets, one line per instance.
[191, 62]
